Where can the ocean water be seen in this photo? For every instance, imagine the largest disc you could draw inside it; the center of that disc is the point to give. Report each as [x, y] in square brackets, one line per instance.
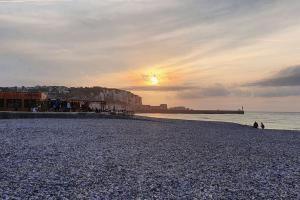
[272, 120]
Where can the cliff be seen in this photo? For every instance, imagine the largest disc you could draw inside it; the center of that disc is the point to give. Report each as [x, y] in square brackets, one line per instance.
[110, 95]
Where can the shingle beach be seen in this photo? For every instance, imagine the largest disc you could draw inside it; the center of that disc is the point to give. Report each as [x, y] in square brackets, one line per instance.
[146, 159]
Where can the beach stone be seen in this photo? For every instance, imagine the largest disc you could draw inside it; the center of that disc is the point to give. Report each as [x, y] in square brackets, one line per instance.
[146, 159]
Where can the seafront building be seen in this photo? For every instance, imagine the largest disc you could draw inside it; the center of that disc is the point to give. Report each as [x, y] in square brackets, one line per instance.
[21, 101]
[64, 99]
[68, 99]
[149, 108]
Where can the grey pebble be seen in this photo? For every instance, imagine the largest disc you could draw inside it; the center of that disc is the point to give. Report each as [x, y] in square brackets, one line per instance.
[146, 159]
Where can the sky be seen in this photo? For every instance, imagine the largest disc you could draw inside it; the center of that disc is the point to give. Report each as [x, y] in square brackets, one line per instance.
[203, 54]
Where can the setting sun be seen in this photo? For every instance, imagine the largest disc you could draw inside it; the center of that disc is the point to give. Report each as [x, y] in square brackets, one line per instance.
[154, 80]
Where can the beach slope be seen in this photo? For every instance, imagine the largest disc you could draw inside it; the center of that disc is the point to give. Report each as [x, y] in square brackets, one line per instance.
[146, 159]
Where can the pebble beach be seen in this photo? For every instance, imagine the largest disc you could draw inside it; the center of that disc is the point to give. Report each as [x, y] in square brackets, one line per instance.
[146, 159]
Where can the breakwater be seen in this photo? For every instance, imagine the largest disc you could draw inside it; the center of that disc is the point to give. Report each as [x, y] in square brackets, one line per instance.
[240, 112]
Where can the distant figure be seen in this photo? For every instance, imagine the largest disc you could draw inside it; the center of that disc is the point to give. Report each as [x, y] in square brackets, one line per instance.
[69, 107]
[255, 125]
[262, 125]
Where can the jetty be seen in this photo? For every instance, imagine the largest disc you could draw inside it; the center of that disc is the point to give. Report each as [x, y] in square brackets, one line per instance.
[240, 112]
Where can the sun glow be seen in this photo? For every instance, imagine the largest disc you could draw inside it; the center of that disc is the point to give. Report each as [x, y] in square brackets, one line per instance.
[154, 80]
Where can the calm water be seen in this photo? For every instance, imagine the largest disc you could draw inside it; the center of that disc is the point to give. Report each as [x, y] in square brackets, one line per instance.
[272, 120]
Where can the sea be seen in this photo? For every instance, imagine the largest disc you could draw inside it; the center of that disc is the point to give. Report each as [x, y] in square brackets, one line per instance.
[272, 120]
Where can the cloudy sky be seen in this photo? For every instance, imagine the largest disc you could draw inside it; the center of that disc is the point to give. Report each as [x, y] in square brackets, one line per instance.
[208, 54]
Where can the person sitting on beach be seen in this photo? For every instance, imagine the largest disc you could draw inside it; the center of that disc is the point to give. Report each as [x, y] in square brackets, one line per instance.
[255, 125]
[262, 125]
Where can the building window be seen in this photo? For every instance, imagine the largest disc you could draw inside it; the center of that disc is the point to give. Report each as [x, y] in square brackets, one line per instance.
[1, 103]
[14, 103]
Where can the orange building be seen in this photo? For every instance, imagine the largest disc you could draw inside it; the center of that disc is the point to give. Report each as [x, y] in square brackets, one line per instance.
[21, 101]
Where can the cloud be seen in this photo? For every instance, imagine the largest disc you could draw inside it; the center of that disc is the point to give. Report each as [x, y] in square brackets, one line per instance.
[266, 92]
[286, 77]
[216, 90]
[160, 88]
[30, 1]
[110, 36]
[186, 92]
[219, 90]
[277, 92]
[285, 83]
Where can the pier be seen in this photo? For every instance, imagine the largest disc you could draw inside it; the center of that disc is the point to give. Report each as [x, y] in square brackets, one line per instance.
[240, 112]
